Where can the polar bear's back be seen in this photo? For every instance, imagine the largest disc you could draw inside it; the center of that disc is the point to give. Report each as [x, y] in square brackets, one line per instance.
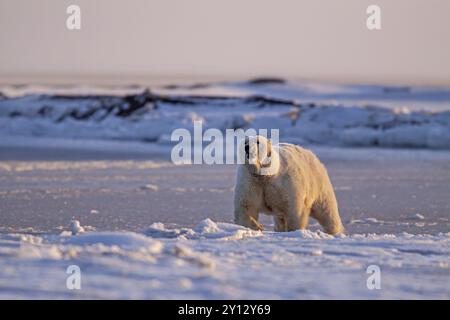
[296, 155]
[302, 164]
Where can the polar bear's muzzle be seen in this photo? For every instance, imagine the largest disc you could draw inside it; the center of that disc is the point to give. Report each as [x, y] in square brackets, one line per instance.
[260, 157]
[258, 152]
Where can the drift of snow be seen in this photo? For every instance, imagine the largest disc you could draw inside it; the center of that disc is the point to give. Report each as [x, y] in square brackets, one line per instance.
[75, 227]
[224, 261]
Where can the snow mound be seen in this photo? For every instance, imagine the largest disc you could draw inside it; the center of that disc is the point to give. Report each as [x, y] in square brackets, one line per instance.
[75, 227]
[125, 240]
[206, 229]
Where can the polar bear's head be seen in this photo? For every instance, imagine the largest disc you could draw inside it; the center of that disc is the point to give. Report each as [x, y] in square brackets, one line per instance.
[260, 156]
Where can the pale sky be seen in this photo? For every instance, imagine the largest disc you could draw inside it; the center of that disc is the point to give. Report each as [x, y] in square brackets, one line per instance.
[313, 39]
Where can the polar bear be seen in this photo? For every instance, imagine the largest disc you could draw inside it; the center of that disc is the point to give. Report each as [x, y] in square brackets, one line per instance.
[287, 182]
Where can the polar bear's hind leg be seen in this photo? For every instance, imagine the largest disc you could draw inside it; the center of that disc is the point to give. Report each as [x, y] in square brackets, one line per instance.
[297, 218]
[280, 224]
[327, 214]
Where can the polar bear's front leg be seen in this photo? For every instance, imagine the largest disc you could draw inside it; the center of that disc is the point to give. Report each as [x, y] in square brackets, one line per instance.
[248, 217]
[247, 201]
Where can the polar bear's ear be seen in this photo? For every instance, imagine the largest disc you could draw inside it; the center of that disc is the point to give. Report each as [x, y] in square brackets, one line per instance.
[266, 153]
[270, 165]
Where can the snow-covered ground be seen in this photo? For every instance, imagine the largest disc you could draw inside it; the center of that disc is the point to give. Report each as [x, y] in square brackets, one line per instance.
[139, 226]
[147, 233]
[224, 261]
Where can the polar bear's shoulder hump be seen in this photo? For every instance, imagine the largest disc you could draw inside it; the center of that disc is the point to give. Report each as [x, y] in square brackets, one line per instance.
[288, 150]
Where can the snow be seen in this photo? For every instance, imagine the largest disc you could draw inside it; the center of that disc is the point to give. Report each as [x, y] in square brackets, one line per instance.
[24, 166]
[150, 187]
[217, 260]
[342, 115]
[75, 227]
[80, 184]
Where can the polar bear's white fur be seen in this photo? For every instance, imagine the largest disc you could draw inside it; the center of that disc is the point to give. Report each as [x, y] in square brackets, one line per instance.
[287, 182]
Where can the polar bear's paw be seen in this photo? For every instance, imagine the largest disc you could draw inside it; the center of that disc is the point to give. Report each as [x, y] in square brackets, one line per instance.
[257, 226]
